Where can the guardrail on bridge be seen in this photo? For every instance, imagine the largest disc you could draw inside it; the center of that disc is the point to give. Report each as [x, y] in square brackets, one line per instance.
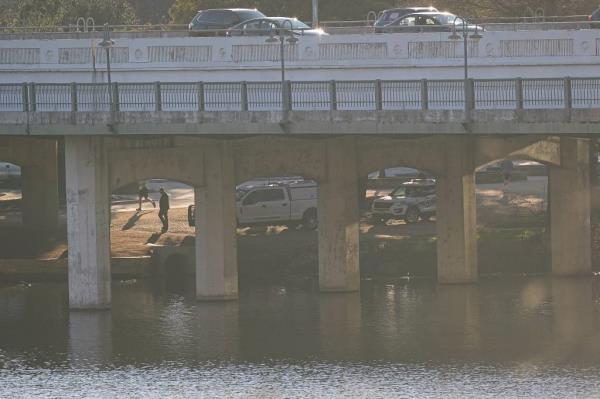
[496, 94]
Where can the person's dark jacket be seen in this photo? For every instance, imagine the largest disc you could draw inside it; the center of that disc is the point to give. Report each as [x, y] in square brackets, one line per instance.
[164, 202]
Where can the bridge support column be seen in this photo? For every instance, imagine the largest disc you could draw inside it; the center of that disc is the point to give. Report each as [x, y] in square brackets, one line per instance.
[39, 174]
[569, 194]
[88, 217]
[456, 215]
[339, 219]
[216, 241]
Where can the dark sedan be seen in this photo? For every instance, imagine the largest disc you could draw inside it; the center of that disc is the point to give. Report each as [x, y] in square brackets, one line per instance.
[389, 16]
[271, 25]
[429, 22]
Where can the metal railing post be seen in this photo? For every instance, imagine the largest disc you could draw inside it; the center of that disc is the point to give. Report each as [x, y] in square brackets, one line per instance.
[424, 95]
[287, 95]
[332, 96]
[568, 93]
[519, 93]
[157, 97]
[32, 98]
[244, 96]
[470, 95]
[378, 95]
[115, 98]
[200, 94]
[73, 97]
[25, 97]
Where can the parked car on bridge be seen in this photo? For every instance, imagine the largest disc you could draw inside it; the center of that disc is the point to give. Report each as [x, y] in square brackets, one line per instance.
[389, 16]
[286, 204]
[411, 201]
[216, 21]
[271, 25]
[429, 22]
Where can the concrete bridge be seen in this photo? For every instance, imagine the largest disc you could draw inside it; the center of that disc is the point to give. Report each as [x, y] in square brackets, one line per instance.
[213, 135]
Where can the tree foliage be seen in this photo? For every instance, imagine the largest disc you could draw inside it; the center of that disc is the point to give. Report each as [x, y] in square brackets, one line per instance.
[182, 11]
[64, 12]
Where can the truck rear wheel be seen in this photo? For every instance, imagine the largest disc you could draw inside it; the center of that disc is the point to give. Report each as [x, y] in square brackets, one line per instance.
[309, 219]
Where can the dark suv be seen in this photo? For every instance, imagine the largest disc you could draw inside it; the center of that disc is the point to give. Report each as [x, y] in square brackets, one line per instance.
[389, 16]
[214, 22]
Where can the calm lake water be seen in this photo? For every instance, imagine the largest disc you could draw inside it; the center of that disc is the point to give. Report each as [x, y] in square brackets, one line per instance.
[525, 337]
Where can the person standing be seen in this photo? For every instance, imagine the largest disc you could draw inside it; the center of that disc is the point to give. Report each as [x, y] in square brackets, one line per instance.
[507, 169]
[143, 195]
[163, 210]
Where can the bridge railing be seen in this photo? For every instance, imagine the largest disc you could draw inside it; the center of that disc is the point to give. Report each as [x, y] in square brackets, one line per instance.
[479, 94]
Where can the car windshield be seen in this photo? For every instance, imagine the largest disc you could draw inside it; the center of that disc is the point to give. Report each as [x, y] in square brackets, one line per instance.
[295, 23]
[398, 193]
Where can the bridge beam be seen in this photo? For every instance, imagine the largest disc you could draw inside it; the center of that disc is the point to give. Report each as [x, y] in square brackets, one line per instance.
[456, 215]
[570, 209]
[339, 218]
[216, 241]
[88, 215]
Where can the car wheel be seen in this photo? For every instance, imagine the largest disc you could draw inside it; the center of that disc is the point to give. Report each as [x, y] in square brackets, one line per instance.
[412, 215]
[309, 220]
[426, 216]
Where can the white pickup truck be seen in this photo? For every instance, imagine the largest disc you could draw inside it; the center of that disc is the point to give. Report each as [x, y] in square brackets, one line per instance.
[287, 204]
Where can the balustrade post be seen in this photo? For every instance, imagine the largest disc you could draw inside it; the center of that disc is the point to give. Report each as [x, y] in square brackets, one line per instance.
[157, 97]
[244, 96]
[519, 93]
[73, 97]
[200, 94]
[115, 98]
[568, 93]
[469, 96]
[332, 96]
[25, 97]
[378, 95]
[32, 97]
[287, 96]
[424, 95]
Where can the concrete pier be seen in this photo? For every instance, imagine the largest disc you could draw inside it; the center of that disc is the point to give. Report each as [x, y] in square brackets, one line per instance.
[88, 214]
[570, 209]
[216, 241]
[339, 219]
[456, 215]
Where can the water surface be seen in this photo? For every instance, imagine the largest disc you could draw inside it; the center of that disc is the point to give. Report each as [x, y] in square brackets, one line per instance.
[526, 337]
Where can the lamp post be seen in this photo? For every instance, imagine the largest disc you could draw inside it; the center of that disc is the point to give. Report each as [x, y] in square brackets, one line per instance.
[315, 14]
[107, 43]
[465, 36]
[282, 30]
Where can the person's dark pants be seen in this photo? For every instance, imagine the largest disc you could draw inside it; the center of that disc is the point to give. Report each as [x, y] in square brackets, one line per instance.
[164, 218]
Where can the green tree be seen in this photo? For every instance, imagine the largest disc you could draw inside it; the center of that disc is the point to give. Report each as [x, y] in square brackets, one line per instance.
[65, 12]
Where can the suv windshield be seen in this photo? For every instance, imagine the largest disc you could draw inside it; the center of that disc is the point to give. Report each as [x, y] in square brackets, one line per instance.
[250, 14]
[412, 191]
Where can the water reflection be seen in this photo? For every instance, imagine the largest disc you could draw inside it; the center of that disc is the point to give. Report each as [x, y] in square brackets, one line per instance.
[540, 334]
[90, 338]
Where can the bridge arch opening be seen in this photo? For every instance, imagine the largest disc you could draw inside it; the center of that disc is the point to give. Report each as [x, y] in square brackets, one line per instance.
[277, 219]
[397, 221]
[13, 240]
[141, 229]
[513, 216]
